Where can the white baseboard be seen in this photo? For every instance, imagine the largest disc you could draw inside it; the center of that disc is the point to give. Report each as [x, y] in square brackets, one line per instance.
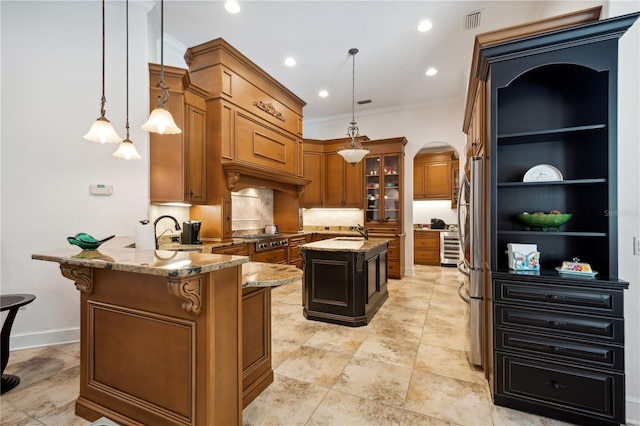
[48, 338]
[633, 411]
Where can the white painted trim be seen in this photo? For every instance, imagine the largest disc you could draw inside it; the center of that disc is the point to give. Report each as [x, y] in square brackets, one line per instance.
[633, 411]
[47, 338]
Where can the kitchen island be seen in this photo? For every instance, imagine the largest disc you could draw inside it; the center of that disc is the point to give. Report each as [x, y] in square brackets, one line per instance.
[161, 332]
[345, 280]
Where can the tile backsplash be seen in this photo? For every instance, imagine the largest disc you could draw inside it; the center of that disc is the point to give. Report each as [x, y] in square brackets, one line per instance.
[252, 208]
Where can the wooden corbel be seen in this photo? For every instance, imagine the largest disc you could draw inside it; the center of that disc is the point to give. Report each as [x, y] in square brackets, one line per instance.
[82, 276]
[300, 190]
[190, 290]
[232, 179]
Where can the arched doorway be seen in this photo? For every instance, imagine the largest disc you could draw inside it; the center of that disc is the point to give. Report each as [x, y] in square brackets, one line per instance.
[436, 168]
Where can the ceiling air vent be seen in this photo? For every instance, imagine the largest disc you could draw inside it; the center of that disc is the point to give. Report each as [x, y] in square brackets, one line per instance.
[472, 20]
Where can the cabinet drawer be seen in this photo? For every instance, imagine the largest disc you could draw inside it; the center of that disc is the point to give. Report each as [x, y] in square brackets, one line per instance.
[422, 243]
[561, 323]
[581, 391]
[601, 301]
[393, 251]
[237, 249]
[423, 257]
[294, 253]
[383, 229]
[393, 268]
[593, 354]
[296, 241]
[271, 256]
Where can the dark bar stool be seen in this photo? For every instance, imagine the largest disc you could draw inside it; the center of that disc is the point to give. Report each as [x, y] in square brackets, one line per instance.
[10, 302]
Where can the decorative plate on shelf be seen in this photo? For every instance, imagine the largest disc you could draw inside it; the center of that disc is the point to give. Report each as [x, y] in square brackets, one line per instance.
[542, 173]
[575, 267]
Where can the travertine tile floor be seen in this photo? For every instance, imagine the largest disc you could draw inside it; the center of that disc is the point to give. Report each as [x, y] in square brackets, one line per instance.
[408, 367]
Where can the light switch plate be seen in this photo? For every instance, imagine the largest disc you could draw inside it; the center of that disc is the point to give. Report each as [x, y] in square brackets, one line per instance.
[636, 246]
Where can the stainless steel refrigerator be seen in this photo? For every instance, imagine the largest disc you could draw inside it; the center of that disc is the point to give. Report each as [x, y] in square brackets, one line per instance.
[471, 289]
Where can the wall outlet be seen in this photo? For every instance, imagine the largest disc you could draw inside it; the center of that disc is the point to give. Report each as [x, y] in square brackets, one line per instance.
[636, 246]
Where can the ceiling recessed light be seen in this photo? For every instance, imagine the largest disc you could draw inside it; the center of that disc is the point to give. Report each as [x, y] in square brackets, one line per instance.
[232, 6]
[289, 62]
[431, 72]
[323, 93]
[424, 26]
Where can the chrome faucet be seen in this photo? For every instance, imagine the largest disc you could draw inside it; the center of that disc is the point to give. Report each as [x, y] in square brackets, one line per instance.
[360, 230]
[158, 220]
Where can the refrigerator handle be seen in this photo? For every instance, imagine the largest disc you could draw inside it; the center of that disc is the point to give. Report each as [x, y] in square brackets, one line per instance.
[463, 202]
[464, 297]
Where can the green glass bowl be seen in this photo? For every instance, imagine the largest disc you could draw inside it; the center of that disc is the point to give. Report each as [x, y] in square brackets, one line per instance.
[86, 241]
[543, 221]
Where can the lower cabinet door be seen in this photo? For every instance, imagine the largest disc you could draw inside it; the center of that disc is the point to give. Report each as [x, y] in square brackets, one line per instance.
[561, 387]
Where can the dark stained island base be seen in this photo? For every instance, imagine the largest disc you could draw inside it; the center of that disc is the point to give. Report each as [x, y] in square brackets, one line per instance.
[345, 280]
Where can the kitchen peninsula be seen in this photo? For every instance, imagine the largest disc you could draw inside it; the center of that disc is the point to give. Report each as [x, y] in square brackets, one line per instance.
[345, 280]
[162, 332]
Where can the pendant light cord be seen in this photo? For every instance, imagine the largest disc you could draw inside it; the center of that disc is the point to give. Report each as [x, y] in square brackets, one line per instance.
[127, 125]
[164, 97]
[104, 99]
[353, 85]
[353, 128]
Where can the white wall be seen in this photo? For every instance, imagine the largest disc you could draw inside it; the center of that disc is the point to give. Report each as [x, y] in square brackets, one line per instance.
[629, 197]
[51, 88]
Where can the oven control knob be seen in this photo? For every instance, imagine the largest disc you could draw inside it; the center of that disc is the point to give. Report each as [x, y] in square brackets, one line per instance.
[283, 242]
[262, 245]
[274, 244]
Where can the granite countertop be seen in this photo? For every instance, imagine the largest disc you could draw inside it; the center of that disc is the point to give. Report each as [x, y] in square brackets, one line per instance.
[350, 244]
[114, 254]
[258, 274]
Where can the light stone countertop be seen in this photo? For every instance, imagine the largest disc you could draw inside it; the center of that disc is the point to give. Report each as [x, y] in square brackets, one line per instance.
[258, 274]
[342, 244]
[114, 254]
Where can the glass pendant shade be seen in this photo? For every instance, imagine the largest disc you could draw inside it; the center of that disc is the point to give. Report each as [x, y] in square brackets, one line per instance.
[127, 151]
[103, 132]
[353, 155]
[161, 121]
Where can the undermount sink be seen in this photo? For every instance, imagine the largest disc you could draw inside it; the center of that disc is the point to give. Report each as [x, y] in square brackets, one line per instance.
[349, 239]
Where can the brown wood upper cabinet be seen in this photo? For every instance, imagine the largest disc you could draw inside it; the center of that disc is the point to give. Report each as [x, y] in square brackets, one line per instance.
[177, 162]
[432, 176]
[334, 182]
[343, 183]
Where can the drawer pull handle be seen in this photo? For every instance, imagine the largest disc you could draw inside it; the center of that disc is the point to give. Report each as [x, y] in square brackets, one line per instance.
[553, 297]
[553, 323]
[557, 348]
[556, 385]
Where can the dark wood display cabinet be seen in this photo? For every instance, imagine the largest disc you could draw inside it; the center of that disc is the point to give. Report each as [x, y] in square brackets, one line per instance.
[558, 339]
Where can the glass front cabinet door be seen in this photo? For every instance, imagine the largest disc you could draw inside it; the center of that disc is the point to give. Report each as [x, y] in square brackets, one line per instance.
[382, 189]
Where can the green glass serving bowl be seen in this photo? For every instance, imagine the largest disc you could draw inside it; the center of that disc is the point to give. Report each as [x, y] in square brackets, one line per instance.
[86, 241]
[543, 221]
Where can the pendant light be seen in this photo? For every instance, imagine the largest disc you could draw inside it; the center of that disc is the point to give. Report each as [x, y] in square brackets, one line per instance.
[161, 121]
[101, 130]
[353, 152]
[127, 150]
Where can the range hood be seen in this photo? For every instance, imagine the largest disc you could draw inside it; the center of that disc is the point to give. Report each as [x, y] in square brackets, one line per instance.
[244, 175]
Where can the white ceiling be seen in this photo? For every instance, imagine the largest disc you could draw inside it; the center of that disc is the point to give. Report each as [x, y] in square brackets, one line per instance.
[393, 56]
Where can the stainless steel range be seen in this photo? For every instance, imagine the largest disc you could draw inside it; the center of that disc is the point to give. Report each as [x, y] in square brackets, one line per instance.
[266, 241]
